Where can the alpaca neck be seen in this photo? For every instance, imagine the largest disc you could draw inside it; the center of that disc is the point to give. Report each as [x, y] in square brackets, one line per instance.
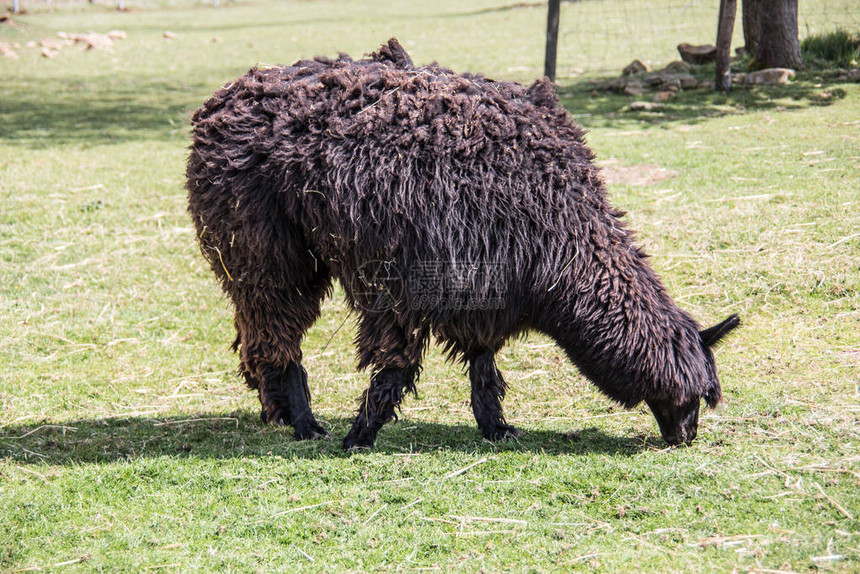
[625, 334]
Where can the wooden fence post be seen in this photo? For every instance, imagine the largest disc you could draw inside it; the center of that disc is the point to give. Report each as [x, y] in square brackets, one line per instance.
[551, 39]
[723, 79]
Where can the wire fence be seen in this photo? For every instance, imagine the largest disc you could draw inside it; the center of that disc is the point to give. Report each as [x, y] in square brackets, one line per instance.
[44, 5]
[595, 36]
[604, 35]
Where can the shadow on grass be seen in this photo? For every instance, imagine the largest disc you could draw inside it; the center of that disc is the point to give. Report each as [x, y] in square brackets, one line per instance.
[593, 107]
[109, 109]
[281, 24]
[243, 435]
[95, 111]
[494, 9]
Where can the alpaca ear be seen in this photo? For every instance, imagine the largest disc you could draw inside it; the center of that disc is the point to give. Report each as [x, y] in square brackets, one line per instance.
[713, 396]
[711, 335]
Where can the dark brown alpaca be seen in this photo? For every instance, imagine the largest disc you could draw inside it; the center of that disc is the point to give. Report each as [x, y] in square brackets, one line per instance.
[447, 205]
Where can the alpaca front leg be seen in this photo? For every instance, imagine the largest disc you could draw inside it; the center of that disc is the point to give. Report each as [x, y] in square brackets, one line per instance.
[378, 405]
[488, 390]
[285, 398]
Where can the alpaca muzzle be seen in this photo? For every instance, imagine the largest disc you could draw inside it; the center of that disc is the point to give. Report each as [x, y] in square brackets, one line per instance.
[678, 423]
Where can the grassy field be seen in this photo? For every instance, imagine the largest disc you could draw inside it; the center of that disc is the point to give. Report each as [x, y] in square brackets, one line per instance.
[127, 442]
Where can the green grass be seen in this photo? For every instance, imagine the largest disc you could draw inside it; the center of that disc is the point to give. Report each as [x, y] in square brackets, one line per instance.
[128, 443]
[837, 48]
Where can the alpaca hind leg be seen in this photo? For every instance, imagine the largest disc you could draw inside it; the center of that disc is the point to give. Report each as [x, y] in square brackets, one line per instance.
[285, 400]
[488, 390]
[394, 351]
[264, 263]
[378, 405]
[270, 328]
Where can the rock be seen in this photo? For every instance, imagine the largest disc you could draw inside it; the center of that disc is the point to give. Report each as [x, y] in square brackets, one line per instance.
[90, 40]
[616, 85]
[169, 35]
[661, 97]
[697, 54]
[689, 82]
[769, 77]
[843, 75]
[7, 51]
[677, 67]
[652, 80]
[677, 81]
[54, 45]
[49, 53]
[93, 41]
[706, 84]
[636, 67]
[672, 84]
[643, 106]
[634, 88]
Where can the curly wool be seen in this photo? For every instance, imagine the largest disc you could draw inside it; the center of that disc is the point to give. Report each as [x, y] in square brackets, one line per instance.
[309, 172]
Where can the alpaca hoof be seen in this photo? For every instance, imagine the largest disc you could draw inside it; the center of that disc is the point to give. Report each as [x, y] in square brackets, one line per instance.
[503, 432]
[275, 419]
[356, 444]
[311, 431]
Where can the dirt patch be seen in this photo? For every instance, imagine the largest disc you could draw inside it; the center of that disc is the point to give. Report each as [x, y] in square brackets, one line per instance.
[641, 174]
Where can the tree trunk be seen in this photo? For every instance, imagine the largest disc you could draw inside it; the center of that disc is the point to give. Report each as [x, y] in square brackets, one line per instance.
[778, 45]
[752, 25]
[723, 80]
[551, 39]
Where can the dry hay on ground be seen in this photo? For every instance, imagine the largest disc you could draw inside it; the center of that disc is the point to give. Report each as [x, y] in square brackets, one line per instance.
[641, 174]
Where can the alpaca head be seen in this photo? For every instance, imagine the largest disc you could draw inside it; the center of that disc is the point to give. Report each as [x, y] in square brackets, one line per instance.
[679, 422]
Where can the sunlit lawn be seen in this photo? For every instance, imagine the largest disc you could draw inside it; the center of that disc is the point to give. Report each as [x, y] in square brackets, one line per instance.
[129, 443]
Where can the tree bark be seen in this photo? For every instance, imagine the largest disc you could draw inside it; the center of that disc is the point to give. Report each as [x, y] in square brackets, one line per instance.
[752, 25]
[551, 39]
[778, 45]
[723, 79]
